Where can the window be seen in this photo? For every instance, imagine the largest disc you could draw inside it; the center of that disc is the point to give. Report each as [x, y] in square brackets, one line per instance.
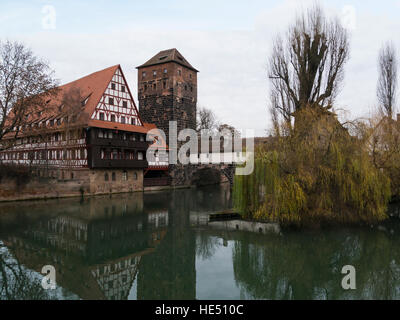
[100, 134]
[113, 86]
[132, 137]
[115, 154]
[164, 84]
[124, 104]
[113, 177]
[51, 123]
[140, 155]
[124, 176]
[123, 88]
[179, 72]
[135, 176]
[111, 101]
[154, 73]
[185, 88]
[154, 86]
[123, 120]
[143, 74]
[72, 176]
[165, 70]
[113, 118]
[133, 121]
[145, 87]
[106, 176]
[190, 75]
[141, 137]
[101, 116]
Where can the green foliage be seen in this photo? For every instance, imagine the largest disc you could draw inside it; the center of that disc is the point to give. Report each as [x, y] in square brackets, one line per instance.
[319, 174]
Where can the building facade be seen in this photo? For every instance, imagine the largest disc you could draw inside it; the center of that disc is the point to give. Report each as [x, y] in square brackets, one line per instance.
[89, 132]
[167, 91]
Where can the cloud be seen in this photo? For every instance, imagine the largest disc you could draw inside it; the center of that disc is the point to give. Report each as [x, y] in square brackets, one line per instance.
[232, 63]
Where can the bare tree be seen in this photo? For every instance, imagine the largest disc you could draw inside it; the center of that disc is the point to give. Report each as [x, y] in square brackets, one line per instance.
[387, 82]
[72, 106]
[206, 120]
[307, 66]
[26, 83]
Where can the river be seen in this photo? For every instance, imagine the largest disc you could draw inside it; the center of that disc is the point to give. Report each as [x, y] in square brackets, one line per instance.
[157, 246]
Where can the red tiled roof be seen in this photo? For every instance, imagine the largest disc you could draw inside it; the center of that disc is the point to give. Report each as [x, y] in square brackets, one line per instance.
[92, 88]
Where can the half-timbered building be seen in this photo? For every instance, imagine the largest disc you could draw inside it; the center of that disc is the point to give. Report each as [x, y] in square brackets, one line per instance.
[91, 132]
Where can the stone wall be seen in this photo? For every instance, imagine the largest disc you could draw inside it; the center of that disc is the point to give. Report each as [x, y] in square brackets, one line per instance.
[168, 96]
[129, 180]
[66, 183]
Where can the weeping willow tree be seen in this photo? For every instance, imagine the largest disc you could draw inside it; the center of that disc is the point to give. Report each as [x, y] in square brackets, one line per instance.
[317, 174]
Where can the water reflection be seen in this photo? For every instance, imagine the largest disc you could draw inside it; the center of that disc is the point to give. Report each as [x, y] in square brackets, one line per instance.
[158, 246]
[101, 246]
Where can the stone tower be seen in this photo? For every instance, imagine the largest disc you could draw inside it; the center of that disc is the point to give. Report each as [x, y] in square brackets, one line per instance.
[167, 91]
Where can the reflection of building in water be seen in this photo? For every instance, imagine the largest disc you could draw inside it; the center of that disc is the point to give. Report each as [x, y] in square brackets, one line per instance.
[96, 256]
[101, 246]
[115, 279]
[169, 271]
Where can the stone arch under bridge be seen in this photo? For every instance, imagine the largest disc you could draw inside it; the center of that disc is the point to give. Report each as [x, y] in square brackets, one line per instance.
[201, 174]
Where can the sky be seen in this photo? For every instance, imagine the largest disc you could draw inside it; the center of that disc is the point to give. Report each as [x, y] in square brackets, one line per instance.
[228, 41]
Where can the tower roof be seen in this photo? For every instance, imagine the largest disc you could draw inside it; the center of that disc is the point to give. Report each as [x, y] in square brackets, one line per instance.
[170, 55]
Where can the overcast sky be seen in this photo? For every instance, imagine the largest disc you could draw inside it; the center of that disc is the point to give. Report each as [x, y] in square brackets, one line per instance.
[228, 41]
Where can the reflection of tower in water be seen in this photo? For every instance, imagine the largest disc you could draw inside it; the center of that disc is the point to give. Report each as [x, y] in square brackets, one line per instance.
[169, 272]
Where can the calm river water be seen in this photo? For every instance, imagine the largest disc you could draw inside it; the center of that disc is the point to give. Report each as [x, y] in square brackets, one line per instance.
[156, 246]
